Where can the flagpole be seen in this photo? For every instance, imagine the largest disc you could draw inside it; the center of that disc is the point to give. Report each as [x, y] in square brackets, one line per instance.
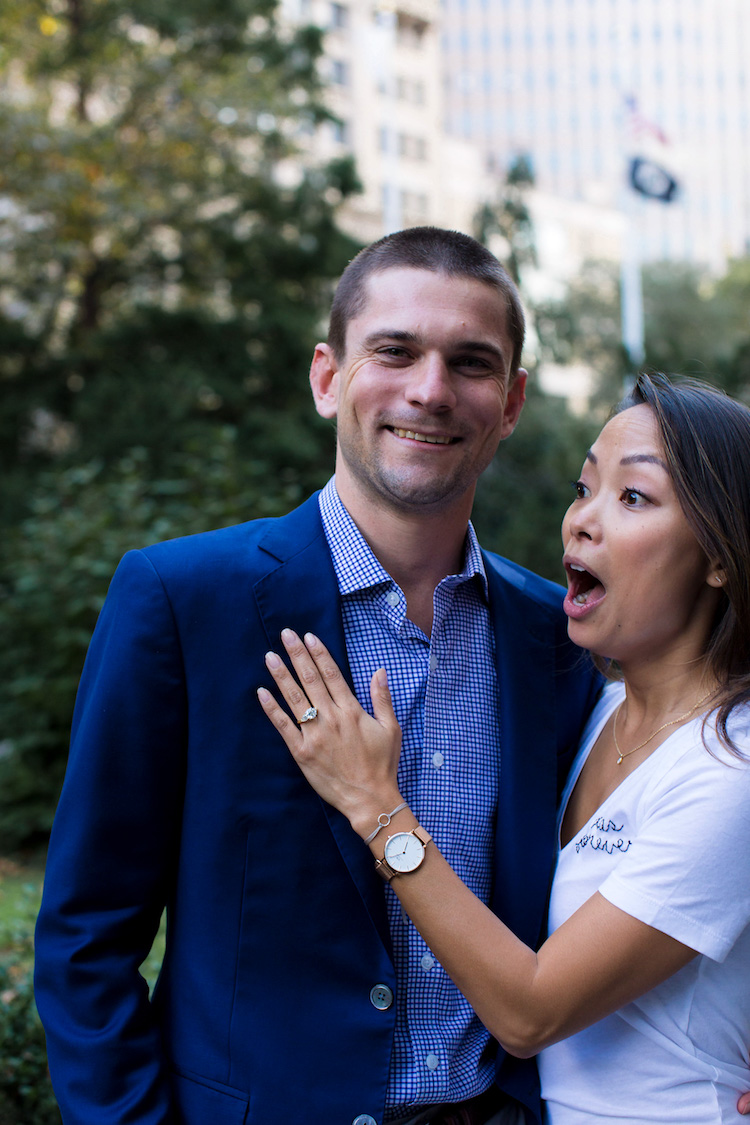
[631, 294]
[647, 179]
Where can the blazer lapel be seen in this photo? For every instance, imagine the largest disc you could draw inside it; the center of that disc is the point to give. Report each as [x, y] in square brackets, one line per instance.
[527, 801]
[302, 593]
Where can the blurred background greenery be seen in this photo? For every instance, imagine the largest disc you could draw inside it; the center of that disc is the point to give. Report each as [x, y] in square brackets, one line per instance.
[163, 279]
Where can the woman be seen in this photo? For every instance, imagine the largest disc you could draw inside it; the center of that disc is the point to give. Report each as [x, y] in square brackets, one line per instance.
[639, 1000]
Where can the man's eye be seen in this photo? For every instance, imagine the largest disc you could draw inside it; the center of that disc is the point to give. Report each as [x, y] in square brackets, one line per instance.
[473, 363]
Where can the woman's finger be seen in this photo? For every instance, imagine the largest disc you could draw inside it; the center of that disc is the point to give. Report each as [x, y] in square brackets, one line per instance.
[329, 671]
[286, 727]
[310, 680]
[380, 694]
[295, 698]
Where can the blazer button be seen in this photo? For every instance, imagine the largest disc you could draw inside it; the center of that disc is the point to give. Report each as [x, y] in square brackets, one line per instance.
[364, 1119]
[381, 997]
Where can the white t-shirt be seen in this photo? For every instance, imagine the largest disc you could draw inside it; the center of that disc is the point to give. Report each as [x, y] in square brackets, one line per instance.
[671, 847]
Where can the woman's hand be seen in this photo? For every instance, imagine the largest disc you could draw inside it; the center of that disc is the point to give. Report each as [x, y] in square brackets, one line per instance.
[349, 757]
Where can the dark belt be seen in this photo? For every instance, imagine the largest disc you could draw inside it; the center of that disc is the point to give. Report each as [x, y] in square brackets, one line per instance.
[475, 1111]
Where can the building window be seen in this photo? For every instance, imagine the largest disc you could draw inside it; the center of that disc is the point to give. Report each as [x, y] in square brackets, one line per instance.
[339, 72]
[411, 148]
[341, 132]
[410, 32]
[339, 17]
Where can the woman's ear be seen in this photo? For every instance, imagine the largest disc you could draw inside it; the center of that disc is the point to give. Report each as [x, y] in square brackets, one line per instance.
[324, 381]
[716, 575]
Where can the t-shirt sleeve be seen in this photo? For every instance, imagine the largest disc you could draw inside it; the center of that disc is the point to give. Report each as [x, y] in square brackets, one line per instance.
[688, 874]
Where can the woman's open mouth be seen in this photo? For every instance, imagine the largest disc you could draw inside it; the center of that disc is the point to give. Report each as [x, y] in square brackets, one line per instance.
[585, 591]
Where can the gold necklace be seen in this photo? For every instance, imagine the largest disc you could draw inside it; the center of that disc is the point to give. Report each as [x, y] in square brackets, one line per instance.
[671, 723]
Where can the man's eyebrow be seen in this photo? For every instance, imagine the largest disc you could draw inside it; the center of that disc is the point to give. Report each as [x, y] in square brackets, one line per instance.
[398, 334]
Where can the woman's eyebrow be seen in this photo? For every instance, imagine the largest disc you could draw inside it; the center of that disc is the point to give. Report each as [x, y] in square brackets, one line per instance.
[649, 458]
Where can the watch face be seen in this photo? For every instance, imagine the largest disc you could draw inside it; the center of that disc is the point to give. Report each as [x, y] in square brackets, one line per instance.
[404, 852]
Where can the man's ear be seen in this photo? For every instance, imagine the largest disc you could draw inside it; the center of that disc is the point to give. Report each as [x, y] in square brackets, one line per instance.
[514, 402]
[324, 381]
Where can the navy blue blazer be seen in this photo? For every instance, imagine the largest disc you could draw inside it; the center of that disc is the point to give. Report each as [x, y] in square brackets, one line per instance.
[180, 793]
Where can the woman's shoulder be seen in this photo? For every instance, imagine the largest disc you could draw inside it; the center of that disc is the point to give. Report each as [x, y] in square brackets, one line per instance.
[696, 765]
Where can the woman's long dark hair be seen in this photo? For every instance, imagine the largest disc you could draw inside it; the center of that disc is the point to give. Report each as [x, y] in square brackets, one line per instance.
[706, 439]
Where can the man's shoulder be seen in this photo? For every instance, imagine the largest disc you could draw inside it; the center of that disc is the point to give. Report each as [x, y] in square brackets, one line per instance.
[517, 580]
[254, 542]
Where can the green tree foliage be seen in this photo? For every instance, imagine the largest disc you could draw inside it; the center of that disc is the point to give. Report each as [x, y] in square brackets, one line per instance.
[25, 1089]
[54, 574]
[521, 498]
[167, 255]
[695, 324]
[584, 326]
[163, 263]
[509, 218]
[26, 1096]
[523, 495]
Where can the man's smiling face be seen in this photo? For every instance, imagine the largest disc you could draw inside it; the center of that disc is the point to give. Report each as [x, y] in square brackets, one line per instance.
[422, 396]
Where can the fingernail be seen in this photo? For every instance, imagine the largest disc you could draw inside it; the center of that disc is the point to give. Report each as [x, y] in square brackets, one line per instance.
[263, 695]
[311, 640]
[382, 676]
[272, 660]
[288, 635]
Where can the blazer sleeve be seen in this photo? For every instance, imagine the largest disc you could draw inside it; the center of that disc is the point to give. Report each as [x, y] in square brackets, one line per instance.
[120, 809]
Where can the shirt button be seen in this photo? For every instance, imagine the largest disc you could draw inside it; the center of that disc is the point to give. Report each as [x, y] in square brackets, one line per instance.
[364, 1119]
[392, 597]
[381, 997]
[427, 962]
[433, 661]
[432, 1061]
[438, 759]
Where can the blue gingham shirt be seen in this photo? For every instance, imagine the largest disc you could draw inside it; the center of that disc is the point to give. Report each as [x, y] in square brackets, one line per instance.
[444, 691]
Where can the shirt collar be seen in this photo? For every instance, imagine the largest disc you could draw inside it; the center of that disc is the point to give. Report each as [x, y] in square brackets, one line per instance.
[356, 566]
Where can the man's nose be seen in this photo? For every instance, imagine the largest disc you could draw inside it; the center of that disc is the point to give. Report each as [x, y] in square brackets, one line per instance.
[431, 384]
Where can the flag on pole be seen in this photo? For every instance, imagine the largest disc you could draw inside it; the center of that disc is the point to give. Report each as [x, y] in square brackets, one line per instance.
[647, 173]
[651, 180]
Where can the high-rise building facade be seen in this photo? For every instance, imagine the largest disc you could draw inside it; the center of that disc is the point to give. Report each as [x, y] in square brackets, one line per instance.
[584, 86]
[382, 63]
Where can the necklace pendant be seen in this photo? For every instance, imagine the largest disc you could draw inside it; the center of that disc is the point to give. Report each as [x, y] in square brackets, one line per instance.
[619, 760]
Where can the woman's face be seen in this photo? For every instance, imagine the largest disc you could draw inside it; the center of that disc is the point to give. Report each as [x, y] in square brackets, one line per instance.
[640, 588]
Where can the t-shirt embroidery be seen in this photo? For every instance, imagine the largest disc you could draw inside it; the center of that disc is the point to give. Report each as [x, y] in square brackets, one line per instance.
[600, 843]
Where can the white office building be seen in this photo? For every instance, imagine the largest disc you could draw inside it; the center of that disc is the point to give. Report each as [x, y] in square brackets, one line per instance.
[583, 86]
[383, 62]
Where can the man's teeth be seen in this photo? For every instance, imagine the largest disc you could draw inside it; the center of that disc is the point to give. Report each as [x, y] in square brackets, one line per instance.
[581, 568]
[580, 599]
[432, 439]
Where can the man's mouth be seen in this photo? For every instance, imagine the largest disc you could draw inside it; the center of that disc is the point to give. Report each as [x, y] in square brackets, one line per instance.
[431, 439]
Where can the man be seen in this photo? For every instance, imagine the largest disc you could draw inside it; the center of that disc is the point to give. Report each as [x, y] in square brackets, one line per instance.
[292, 986]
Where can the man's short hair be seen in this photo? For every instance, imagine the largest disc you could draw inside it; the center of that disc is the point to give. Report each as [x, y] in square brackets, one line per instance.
[424, 248]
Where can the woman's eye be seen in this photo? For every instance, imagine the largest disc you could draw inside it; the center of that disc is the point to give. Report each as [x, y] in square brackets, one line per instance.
[580, 489]
[632, 498]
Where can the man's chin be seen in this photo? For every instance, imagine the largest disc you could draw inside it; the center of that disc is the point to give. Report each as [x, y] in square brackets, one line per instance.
[416, 495]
